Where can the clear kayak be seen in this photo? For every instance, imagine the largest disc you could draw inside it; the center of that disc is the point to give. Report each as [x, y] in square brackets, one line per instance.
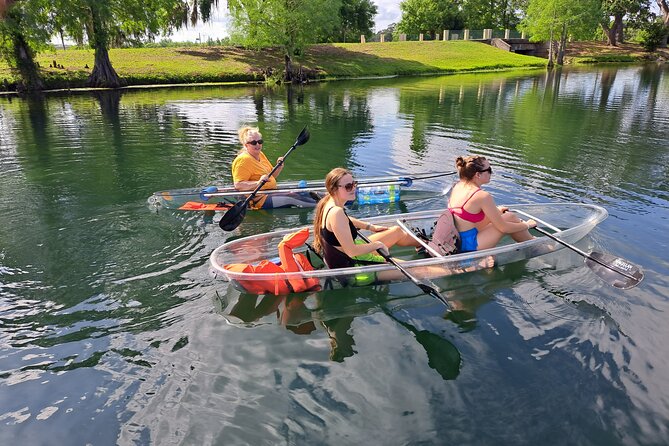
[569, 222]
[371, 190]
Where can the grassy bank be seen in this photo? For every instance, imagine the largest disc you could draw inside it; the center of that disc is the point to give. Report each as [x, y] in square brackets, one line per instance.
[146, 66]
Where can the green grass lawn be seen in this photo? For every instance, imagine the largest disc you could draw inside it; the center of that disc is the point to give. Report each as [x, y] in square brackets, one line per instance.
[145, 66]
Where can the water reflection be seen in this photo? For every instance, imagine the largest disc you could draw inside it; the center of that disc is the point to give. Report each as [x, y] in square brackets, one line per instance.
[106, 307]
[292, 313]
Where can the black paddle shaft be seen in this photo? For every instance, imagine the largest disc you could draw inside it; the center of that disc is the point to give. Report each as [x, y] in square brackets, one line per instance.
[427, 289]
[236, 214]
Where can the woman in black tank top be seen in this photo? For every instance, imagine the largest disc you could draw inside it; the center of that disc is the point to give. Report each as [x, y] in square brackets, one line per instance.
[335, 233]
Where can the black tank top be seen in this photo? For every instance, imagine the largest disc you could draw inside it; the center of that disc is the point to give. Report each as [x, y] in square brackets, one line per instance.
[330, 236]
[333, 256]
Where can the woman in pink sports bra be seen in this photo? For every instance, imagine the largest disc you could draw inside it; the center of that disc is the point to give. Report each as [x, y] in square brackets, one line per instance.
[480, 222]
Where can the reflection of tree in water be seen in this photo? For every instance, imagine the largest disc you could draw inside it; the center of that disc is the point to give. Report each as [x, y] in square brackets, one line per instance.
[608, 78]
[337, 117]
[110, 104]
[38, 118]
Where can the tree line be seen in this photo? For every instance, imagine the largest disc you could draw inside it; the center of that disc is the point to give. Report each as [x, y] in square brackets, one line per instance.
[28, 26]
[554, 21]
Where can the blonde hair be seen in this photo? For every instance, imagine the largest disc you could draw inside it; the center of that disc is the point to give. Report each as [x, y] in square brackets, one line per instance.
[468, 166]
[331, 185]
[244, 132]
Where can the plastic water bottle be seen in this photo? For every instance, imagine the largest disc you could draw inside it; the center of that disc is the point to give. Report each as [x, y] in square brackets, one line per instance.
[208, 190]
[378, 194]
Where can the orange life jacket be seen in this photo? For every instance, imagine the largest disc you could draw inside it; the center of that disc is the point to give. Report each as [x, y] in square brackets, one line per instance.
[290, 262]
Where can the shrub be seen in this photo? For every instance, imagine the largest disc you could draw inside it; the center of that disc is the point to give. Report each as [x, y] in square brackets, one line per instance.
[652, 35]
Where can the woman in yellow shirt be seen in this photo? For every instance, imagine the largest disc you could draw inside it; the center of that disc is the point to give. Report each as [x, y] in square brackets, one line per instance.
[251, 167]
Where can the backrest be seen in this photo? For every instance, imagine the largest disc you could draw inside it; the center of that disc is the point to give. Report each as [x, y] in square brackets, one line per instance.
[445, 237]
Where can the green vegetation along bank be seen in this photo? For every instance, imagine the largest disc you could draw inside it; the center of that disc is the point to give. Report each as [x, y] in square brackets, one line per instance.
[71, 67]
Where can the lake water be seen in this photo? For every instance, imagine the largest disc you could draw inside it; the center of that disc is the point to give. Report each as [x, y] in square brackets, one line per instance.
[113, 331]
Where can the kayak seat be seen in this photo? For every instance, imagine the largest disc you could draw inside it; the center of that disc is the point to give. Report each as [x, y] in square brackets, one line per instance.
[360, 279]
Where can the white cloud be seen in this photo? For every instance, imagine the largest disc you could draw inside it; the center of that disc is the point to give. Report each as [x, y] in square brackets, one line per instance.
[388, 12]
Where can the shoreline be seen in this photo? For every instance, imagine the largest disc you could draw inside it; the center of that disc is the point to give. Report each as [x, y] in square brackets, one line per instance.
[170, 67]
[80, 90]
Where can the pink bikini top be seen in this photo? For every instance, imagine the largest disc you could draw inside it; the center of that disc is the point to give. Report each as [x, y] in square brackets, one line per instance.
[468, 216]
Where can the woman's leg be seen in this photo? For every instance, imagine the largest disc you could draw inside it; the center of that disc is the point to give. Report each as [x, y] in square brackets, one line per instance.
[519, 236]
[290, 200]
[394, 236]
[489, 236]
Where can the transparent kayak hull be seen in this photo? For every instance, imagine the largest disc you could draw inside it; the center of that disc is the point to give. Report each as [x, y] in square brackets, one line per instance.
[571, 221]
[371, 190]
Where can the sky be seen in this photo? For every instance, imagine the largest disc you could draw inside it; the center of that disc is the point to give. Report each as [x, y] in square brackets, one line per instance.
[388, 12]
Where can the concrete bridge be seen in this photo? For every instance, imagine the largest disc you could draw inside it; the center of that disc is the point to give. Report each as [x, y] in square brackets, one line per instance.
[520, 46]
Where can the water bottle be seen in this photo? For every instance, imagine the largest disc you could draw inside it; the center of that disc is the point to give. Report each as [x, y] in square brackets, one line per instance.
[378, 194]
[207, 190]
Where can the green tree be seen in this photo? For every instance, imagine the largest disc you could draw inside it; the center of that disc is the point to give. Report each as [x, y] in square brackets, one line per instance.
[356, 17]
[495, 14]
[664, 11]
[387, 32]
[429, 16]
[290, 24]
[556, 20]
[190, 12]
[108, 23]
[24, 30]
[652, 35]
[619, 9]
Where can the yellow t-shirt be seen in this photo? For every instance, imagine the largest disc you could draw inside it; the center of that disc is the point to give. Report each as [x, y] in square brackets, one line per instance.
[247, 168]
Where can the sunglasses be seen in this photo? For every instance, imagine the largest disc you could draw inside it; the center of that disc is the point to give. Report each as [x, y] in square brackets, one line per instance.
[349, 186]
[489, 170]
[254, 142]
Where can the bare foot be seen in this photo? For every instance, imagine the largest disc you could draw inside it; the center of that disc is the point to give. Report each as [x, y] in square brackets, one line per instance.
[484, 263]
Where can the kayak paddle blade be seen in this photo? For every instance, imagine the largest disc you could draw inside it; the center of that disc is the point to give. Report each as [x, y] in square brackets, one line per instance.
[614, 270]
[233, 217]
[432, 291]
[303, 137]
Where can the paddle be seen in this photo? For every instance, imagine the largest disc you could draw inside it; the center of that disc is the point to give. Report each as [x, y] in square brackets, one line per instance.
[615, 271]
[232, 218]
[608, 267]
[431, 290]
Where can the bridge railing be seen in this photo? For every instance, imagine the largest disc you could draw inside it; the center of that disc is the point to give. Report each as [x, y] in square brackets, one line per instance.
[450, 34]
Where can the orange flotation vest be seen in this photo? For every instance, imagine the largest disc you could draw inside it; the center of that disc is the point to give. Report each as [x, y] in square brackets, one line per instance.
[290, 262]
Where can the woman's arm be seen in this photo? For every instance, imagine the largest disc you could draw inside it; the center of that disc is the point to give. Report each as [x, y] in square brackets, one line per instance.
[242, 172]
[251, 185]
[280, 168]
[339, 224]
[494, 214]
[367, 226]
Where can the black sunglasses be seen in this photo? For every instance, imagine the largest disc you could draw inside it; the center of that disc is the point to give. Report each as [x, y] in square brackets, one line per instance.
[489, 170]
[349, 186]
[253, 142]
